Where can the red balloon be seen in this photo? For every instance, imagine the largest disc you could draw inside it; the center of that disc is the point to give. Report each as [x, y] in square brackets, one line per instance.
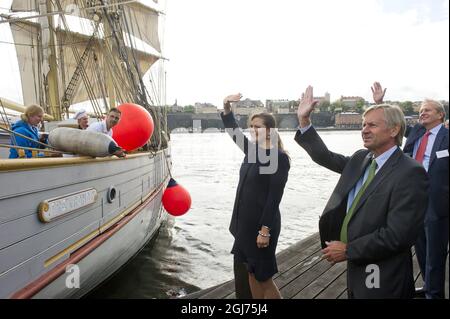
[176, 199]
[134, 128]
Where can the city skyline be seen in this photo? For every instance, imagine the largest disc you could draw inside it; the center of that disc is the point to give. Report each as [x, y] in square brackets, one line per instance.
[367, 101]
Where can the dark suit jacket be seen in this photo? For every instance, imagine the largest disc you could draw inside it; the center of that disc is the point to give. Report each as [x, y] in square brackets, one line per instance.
[437, 172]
[257, 198]
[385, 223]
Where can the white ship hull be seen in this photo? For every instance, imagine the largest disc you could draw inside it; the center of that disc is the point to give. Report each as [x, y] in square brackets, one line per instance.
[98, 238]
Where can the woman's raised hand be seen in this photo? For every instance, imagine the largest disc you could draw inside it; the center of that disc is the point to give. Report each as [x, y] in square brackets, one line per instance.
[227, 101]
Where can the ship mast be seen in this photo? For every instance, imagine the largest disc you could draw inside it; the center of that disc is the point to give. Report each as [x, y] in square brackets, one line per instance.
[50, 67]
[120, 42]
[111, 91]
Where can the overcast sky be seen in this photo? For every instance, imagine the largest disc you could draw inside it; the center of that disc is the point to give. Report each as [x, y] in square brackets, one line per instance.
[274, 49]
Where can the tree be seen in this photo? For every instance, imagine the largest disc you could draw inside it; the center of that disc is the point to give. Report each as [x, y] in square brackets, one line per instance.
[360, 106]
[407, 107]
[189, 109]
[324, 106]
[337, 107]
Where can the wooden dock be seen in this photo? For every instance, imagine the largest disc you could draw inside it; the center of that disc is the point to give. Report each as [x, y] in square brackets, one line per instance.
[303, 275]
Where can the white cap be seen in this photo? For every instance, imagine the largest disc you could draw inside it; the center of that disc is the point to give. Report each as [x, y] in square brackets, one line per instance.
[80, 114]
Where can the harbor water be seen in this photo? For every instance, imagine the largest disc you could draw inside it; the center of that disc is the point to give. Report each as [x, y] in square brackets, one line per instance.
[192, 251]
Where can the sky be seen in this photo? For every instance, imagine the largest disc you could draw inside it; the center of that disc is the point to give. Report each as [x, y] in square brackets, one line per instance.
[275, 49]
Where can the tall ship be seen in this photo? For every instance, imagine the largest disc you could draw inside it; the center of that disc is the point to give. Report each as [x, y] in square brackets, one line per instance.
[69, 223]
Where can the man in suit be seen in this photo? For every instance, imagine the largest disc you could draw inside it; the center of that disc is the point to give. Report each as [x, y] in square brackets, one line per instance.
[376, 211]
[428, 143]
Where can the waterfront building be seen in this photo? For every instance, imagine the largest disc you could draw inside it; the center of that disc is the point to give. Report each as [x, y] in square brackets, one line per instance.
[205, 108]
[348, 120]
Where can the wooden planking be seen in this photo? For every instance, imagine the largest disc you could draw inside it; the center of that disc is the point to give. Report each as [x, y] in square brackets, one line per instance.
[303, 265]
[335, 289]
[300, 255]
[292, 262]
[304, 256]
[304, 275]
[322, 283]
[288, 258]
[220, 292]
[416, 271]
[300, 246]
[343, 295]
[200, 293]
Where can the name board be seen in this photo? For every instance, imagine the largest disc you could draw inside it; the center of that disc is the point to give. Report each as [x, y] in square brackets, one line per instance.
[51, 209]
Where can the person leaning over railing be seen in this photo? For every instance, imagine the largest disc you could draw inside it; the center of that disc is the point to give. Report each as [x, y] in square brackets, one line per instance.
[28, 127]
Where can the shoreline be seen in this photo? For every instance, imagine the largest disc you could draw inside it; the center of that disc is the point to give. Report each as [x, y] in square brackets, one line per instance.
[323, 129]
[218, 130]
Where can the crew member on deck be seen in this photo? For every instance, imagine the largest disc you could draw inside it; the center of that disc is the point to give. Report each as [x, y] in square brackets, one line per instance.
[106, 127]
[28, 126]
[82, 118]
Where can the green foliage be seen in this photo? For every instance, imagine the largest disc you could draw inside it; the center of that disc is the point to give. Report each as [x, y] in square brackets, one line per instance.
[324, 106]
[337, 107]
[407, 107]
[360, 106]
[189, 109]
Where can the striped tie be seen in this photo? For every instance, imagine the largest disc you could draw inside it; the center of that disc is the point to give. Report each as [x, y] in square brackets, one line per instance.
[372, 169]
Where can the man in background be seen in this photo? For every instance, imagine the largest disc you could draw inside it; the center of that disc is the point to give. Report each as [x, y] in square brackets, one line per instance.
[427, 143]
[106, 127]
[376, 210]
[82, 118]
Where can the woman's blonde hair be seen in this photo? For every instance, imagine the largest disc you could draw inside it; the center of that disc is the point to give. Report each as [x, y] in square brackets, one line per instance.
[31, 110]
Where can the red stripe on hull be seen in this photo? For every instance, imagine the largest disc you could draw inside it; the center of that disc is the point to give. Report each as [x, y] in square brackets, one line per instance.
[33, 288]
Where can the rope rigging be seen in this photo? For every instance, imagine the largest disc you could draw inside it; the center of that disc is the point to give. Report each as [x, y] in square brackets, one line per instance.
[90, 68]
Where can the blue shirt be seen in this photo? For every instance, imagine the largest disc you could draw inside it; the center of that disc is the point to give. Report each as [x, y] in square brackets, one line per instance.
[304, 129]
[381, 160]
[431, 138]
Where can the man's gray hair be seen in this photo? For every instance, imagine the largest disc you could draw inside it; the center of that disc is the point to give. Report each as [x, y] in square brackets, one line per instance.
[437, 106]
[394, 116]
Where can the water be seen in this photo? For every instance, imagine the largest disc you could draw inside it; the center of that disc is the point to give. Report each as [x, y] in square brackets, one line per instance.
[193, 251]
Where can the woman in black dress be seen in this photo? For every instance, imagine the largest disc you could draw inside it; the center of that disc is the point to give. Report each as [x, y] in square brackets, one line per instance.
[256, 221]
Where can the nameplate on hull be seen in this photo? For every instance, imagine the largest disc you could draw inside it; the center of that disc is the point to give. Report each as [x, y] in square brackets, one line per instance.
[54, 208]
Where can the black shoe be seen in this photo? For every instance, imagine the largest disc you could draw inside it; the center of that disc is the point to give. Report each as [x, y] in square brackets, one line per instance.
[419, 293]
